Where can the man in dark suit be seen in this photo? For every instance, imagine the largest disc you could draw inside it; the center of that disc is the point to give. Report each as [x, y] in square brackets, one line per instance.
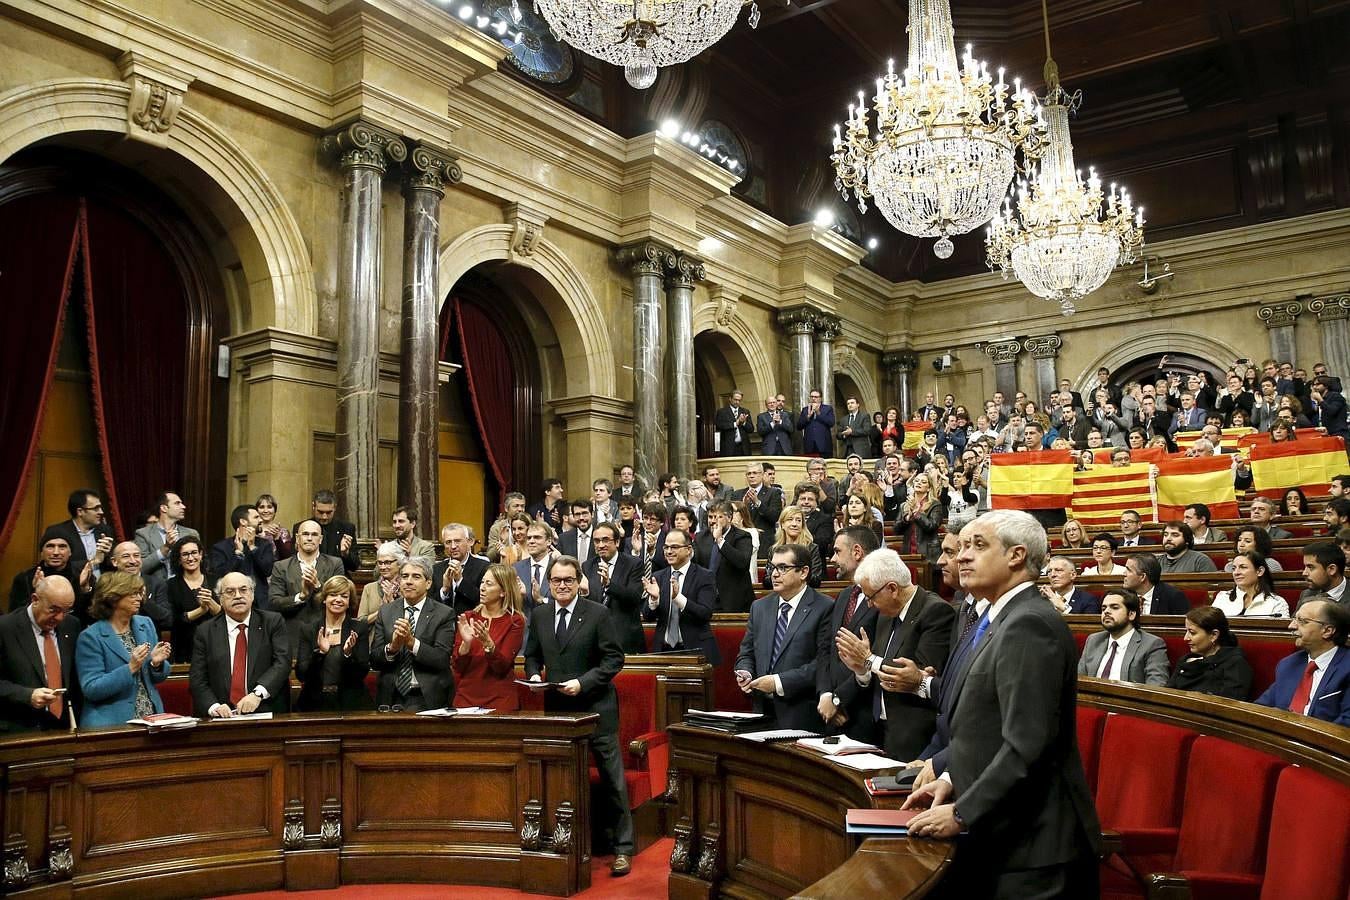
[725, 551]
[855, 430]
[241, 661]
[1324, 568]
[577, 540]
[765, 502]
[842, 703]
[1315, 680]
[1073, 428]
[53, 561]
[339, 538]
[629, 485]
[1155, 422]
[458, 575]
[1143, 575]
[694, 600]
[1063, 592]
[37, 659]
[1189, 418]
[775, 427]
[614, 580]
[646, 543]
[733, 428]
[572, 642]
[777, 660]
[1015, 781]
[86, 532]
[296, 581]
[816, 423]
[411, 645]
[243, 552]
[1328, 406]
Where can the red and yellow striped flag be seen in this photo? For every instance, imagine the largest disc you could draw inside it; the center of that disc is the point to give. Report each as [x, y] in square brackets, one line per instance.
[1202, 479]
[1310, 462]
[1101, 494]
[1230, 438]
[1041, 479]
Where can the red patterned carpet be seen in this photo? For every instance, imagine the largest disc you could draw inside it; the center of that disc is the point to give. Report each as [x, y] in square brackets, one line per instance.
[647, 880]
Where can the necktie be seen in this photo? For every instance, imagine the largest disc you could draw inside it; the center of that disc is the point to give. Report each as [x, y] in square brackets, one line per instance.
[1302, 695]
[239, 670]
[780, 632]
[852, 605]
[714, 558]
[1110, 659]
[538, 579]
[980, 628]
[53, 665]
[969, 617]
[648, 552]
[673, 636]
[562, 625]
[583, 545]
[878, 707]
[404, 677]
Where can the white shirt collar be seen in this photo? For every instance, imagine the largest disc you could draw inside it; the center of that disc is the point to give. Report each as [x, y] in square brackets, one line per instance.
[1323, 659]
[1002, 601]
[244, 624]
[793, 601]
[1124, 637]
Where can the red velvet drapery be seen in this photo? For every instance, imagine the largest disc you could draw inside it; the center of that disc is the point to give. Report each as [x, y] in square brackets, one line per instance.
[491, 382]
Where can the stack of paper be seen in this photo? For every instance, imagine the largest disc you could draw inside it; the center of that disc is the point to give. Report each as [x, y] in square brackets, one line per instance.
[782, 734]
[165, 722]
[867, 762]
[836, 745]
[889, 822]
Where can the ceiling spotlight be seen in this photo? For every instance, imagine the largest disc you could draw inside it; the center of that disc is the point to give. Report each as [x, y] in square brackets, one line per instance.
[670, 128]
[466, 12]
[824, 219]
[873, 243]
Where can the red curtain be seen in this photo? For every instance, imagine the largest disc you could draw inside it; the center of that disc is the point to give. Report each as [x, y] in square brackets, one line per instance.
[491, 382]
[35, 279]
[137, 316]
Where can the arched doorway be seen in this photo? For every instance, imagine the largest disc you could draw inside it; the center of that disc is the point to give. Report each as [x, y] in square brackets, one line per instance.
[720, 367]
[1147, 369]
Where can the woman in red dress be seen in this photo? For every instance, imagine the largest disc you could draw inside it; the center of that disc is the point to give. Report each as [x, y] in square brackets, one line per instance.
[487, 640]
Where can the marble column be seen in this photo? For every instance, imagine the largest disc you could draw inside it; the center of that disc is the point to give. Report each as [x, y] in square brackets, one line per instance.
[363, 152]
[1333, 319]
[1004, 355]
[800, 322]
[1044, 349]
[1279, 319]
[647, 262]
[898, 366]
[418, 388]
[827, 329]
[680, 281]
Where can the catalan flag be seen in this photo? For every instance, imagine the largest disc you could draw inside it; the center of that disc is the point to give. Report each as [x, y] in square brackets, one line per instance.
[1101, 494]
[1230, 438]
[1203, 479]
[1309, 462]
[1040, 479]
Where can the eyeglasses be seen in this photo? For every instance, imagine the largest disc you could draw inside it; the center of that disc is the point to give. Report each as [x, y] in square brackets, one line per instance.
[562, 582]
[1302, 621]
[779, 569]
[670, 547]
[236, 591]
[98, 508]
[190, 554]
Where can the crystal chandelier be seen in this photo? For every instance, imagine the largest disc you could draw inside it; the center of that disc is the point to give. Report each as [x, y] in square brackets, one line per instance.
[642, 35]
[946, 138]
[1063, 241]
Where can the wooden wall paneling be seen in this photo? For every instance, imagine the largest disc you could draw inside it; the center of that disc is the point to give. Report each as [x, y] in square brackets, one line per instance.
[312, 816]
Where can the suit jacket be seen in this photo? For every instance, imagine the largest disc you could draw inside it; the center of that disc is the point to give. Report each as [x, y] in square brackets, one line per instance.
[352, 670]
[332, 542]
[66, 529]
[435, 636]
[567, 544]
[777, 436]
[1077, 433]
[1145, 658]
[1331, 700]
[860, 442]
[106, 681]
[832, 676]
[466, 592]
[623, 598]
[1187, 421]
[287, 580]
[765, 510]
[1081, 602]
[1013, 760]
[658, 551]
[695, 619]
[532, 595]
[269, 662]
[817, 432]
[589, 652]
[731, 573]
[725, 421]
[22, 671]
[256, 564]
[925, 637]
[796, 662]
[1168, 601]
[149, 540]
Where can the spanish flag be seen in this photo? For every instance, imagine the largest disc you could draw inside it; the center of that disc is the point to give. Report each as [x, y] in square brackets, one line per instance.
[1039, 479]
[1203, 479]
[1310, 462]
[1101, 494]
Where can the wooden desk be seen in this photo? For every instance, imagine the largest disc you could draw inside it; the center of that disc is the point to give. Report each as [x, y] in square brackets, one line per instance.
[301, 802]
[767, 820]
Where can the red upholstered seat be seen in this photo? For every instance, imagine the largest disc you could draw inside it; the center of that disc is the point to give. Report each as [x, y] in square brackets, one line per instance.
[1141, 782]
[176, 695]
[1263, 656]
[1090, 724]
[726, 695]
[1309, 831]
[1196, 596]
[1080, 638]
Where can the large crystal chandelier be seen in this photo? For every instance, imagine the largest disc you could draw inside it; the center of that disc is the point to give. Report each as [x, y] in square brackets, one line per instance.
[944, 151]
[1063, 240]
[642, 35]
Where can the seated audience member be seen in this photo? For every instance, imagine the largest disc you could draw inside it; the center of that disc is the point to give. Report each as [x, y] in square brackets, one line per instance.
[120, 658]
[126, 557]
[819, 523]
[189, 596]
[741, 519]
[1130, 523]
[293, 589]
[269, 529]
[87, 534]
[1324, 568]
[1103, 553]
[1073, 536]
[860, 513]
[156, 540]
[1062, 591]
[1142, 575]
[1197, 516]
[412, 644]
[1340, 486]
[1253, 591]
[38, 686]
[920, 519]
[1251, 539]
[1178, 557]
[1315, 679]
[403, 522]
[681, 600]
[487, 640]
[384, 588]
[242, 551]
[54, 560]
[792, 530]
[1336, 514]
[1263, 516]
[1343, 539]
[333, 659]
[1294, 503]
[779, 672]
[337, 538]
[1122, 651]
[455, 578]
[500, 533]
[241, 661]
[1215, 665]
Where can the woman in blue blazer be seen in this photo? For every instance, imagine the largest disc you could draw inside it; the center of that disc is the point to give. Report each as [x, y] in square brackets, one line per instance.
[120, 658]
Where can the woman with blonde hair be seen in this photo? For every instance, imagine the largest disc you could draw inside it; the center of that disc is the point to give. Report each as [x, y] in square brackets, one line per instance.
[487, 640]
[332, 659]
[120, 658]
[920, 519]
[792, 530]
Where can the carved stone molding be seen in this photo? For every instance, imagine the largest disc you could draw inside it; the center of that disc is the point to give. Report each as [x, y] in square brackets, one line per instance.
[798, 320]
[527, 229]
[828, 326]
[529, 830]
[1330, 307]
[672, 794]
[685, 271]
[430, 169]
[561, 841]
[1280, 315]
[60, 862]
[16, 864]
[706, 868]
[724, 305]
[680, 854]
[157, 91]
[844, 354]
[293, 826]
[900, 361]
[362, 145]
[646, 258]
[1045, 346]
[1002, 351]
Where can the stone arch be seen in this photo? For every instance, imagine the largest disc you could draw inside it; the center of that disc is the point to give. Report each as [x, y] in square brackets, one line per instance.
[752, 360]
[572, 308]
[247, 205]
[853, 369]
[1130, 349]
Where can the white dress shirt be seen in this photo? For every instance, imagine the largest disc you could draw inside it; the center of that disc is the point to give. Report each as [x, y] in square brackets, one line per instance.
[232, 630]
[1121, 641]
[1322, 660]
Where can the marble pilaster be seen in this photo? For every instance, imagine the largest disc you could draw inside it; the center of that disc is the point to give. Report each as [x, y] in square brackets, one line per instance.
[1279, 319]
[898, 366]
[1004, 355]
[800, 322]
[647, 262]
[680, 281]
[1045, 350]
[363, 152]
[827, 329]
[1333, 320]
[418, 392]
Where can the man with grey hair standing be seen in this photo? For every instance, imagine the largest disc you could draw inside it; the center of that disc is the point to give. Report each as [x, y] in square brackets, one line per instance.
[457, 576]
[1014, 779]
[411, 646]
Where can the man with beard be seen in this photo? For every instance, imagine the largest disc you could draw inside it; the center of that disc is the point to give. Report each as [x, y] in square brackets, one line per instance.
[1121, 651]
[1178, 557]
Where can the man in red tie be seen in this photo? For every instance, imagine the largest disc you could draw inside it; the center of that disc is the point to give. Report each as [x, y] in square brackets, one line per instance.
[1315, 680]
[241, 661]
[38, 687]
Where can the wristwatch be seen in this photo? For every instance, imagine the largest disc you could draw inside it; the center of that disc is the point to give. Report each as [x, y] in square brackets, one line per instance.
[834, 698]
[956, 814]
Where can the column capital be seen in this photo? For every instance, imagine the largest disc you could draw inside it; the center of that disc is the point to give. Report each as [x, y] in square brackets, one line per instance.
[1279, 315]
[1330, 307]
[431, 169]
[360, 145]
[798, 320]
[1046, 346]
[1002, 352]
[900, 361]
[645, 258]
[828, 326]
[684, 271]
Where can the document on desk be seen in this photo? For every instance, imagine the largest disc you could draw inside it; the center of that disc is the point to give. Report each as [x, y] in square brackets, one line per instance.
[890, 822]
[781, 734]
[537, 685]
[448, 711]
[836, 745]
[728, 715]
[246, 717]
[866, 762]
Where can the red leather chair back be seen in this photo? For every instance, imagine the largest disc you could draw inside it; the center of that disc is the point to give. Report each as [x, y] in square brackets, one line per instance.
[1090, 724]
[1141, 773]
[1309, 831]
[1226, 815]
